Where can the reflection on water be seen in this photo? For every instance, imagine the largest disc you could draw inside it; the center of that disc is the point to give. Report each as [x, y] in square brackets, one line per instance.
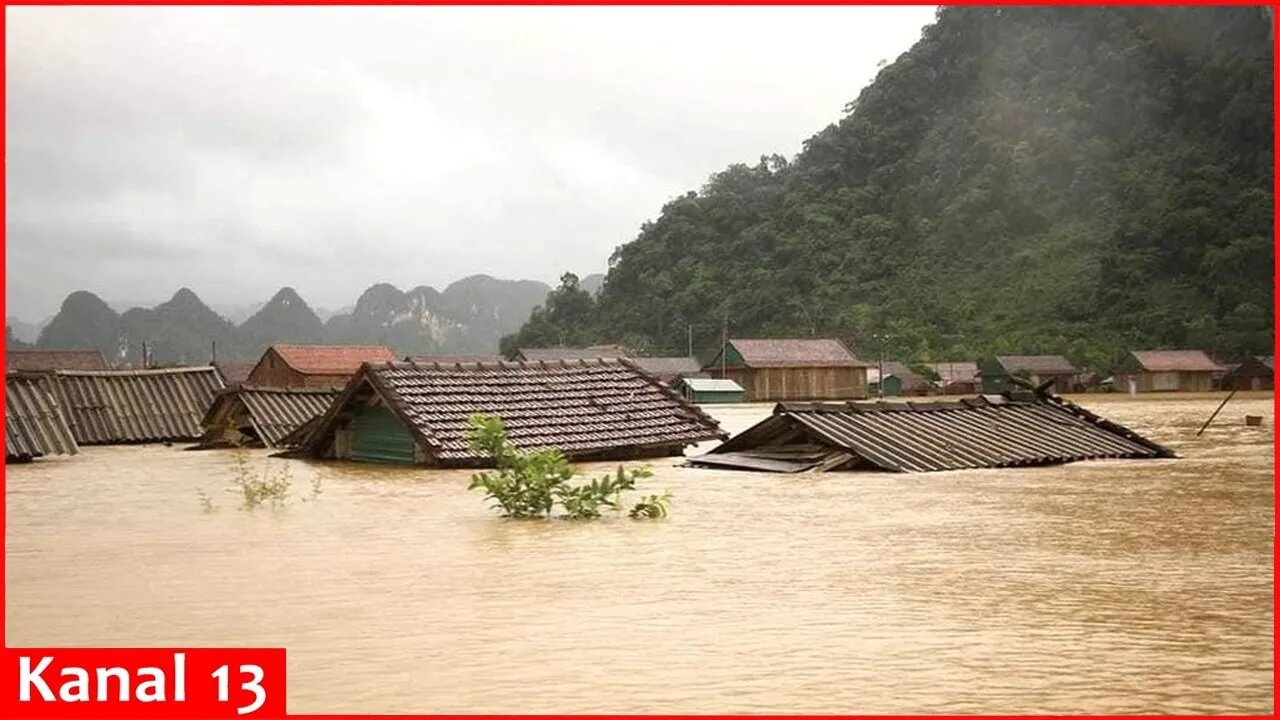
[1127, 586]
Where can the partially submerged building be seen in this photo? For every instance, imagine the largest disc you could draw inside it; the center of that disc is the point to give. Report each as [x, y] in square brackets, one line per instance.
[1166, 371]
[50, 360]
[314, 366]
[895, 379]
[980, 432]
[234, 373]
[791, 369]
[34, 425]
[670, 369]
[957, 378]
[1254, 373]
[111, 407]
[599, 409]
[1054, 371]
[261, 417]
[709, 391]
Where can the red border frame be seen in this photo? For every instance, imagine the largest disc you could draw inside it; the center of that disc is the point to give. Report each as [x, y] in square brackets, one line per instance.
[513, 3]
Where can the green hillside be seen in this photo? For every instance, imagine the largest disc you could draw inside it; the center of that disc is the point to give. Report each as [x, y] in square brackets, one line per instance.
[1076, 180]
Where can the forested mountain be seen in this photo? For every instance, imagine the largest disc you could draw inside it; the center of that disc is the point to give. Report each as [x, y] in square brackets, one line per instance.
[470, 316]
[1077, 180]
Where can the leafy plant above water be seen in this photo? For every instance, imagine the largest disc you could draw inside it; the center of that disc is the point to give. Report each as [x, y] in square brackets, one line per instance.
[530, 484]
[258, 489]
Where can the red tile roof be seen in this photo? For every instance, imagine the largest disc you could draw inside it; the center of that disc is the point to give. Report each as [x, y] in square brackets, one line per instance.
[331, 359]
[46, 360]
[816, 352]
[234, 372]
[1175, 361]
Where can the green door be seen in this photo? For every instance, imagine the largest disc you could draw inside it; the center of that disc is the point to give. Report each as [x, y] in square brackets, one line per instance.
[379, 436]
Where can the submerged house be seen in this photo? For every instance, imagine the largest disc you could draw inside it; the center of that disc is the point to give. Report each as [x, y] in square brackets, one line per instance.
[34, 425]
[51, 360]
[1166, 371]
[111, 407]
[599, 409]
[313, 366]
[1255, 373]
[980, 432]
[791, 369]
[896, 379]
[1055, 370]
[261, 417]
[669, 369]
[957, 378]
[708, 391]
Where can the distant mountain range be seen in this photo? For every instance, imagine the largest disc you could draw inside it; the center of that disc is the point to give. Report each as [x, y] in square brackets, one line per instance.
[469, 316]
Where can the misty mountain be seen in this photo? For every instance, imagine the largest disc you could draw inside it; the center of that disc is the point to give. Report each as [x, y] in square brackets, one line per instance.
[469, 316]
[592, 283]
[24, 331]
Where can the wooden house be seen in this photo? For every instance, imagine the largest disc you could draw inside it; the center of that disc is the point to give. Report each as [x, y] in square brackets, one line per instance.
[404, 412]
[1166, 371]
[244, 416]
[996, 372]
[313, 366]
[1254, 373]
[791, 369]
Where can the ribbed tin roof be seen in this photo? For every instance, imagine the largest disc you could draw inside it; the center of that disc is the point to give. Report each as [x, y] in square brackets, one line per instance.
[135, 406]
[980, 432]
[1175, 361]
[584, 408]
[33, 423]
[272, 413]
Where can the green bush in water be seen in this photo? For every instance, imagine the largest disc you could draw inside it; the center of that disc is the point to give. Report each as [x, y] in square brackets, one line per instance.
[531, 484]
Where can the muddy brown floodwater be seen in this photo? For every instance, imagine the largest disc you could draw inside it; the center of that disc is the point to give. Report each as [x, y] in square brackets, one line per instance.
[1113, 586]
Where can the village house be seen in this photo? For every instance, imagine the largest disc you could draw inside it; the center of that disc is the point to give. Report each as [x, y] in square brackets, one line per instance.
[957, 378]
[996, 372]
[261, 417]
[791, 369]
[708, 391]
[598, 409]
[1166, 371]
[895, 379]
[114, 407]
[313, 366]
[670, 369]
[1254, 373]
[50, 360]
[234, 373]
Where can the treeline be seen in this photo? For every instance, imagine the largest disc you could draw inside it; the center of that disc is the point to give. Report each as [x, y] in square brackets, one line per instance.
[1084, 181]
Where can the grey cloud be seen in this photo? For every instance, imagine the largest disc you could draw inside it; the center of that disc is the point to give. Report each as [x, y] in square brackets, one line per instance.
[235, 150]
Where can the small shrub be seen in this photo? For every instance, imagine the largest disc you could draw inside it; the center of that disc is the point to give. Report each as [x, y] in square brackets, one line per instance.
[257, 489]
[206, 502]
[530, 484]
[652, 507]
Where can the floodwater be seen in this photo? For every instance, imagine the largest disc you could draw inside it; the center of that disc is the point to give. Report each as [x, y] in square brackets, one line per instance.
[1113, 586]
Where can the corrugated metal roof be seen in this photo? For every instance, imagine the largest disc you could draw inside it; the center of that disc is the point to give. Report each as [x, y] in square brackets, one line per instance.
[953, 372]
[33, 423]
[711, 384]
[794, 352]
[1175, 361]
[49, 360]
[135, 406]
[585, 408]
[980, 432]
[272, 413]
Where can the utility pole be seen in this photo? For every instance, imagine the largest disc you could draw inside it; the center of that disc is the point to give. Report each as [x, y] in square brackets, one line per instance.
[724, 344]
[690, 340]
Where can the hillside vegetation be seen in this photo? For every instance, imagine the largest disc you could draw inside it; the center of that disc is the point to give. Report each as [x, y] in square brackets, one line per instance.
[1071, 180]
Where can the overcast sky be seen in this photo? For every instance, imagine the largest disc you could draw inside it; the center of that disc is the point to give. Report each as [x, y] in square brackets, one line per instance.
[236, 150]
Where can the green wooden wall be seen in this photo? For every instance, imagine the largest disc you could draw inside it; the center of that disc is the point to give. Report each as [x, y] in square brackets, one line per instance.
[378, 436]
